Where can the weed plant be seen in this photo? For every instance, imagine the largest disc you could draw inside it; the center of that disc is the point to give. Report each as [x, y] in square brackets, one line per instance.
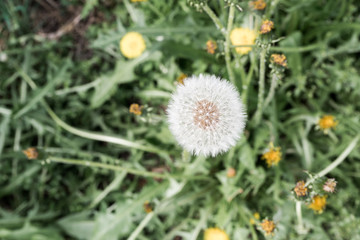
[85, 147]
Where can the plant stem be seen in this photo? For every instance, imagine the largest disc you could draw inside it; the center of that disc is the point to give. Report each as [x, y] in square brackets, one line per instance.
[88, 134]
[259, 109]
[141, 226]
[246, 83]
[185, 156]
[271, 93]
[215, 19]
[298, 49]
[299, 217]
[98, 136]
[120, 168]
[325, 171]
[337, 161]
[227, 44]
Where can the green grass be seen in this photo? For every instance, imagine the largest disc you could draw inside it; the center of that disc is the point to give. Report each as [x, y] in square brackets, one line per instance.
[98, 164]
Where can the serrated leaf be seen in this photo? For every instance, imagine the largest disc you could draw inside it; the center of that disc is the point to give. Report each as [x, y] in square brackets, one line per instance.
[124, 73]
[77, 225]
[40, 93]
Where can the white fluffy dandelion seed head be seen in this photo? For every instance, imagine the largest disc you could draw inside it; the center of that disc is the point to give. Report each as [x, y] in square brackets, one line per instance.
[206, 115]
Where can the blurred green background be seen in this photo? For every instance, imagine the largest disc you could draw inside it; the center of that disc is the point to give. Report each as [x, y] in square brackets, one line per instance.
[65, 87]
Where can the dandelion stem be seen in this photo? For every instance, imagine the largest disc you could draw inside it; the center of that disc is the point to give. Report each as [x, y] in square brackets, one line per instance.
[259, 109]
[215, 19]
[247, 81]
[87, 134]
[141, 226]
[271, 93]
[185, 156]
[99, 136]
[120, 168]
[154, 9]
[337, 161]
[299, 217]
[227, 44]
[241, 69]
[298, 49]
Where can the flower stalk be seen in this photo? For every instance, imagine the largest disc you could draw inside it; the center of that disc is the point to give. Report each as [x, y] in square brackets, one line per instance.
[121, 168]
[322, 173]
[259, 109]
[301, 228]
[337, 161]
[227, 44]
[247, 81]
[214, 18]
[271, 93]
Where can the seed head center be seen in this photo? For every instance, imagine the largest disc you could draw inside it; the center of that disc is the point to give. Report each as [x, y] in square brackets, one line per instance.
[206, 114]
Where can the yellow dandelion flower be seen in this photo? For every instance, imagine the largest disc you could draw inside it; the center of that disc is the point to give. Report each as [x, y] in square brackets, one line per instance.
[256, 216]
[132, 45]
[215, 234]
[273, 156]
[138, 0]
[279, 59]
[266, 26]
[147, 207]
[258, 5]
[330, 185]
[318, 203]
[31, 153]
[268, 226]
[327, 122]
[181, 78]
[231, 172]
[242, 36]
[135, 109]
[300, 189]
[211, 46]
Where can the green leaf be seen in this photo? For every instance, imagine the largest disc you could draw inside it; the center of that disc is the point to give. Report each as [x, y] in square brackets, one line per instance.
[19, 180]
[124, 73]
[39, 94]
[29, 232]
[246, 156]
[78, 225]
[173, 48]
[115, 224]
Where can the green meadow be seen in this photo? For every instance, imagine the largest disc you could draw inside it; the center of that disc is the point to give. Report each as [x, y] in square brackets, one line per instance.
[87, 150]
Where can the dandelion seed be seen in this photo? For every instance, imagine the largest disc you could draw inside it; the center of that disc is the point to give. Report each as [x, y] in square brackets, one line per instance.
[206, 115]
[327, 122]
[273, 156]
[300, 189]
[215, 234]
[135, 109]
[330, 185]
[318, 203]
[279, 59]
[31, 153]
[258, 5]
[242, 36]
[231, 172]
[268, 226]
[266, 26]
[132, 45]
[211, 46]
